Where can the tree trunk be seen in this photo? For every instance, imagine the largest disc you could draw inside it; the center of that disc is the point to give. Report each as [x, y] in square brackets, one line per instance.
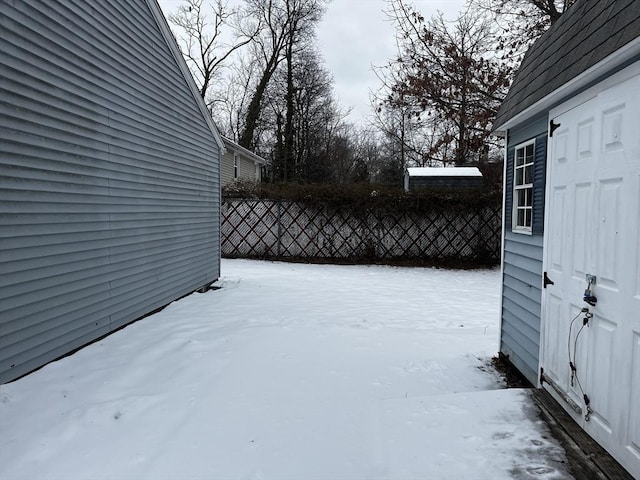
[254, 109]
[288, 126]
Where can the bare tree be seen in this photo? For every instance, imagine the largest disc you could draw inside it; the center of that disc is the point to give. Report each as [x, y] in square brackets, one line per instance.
[406, 132]
[316, 121]
[286, 23]
[299, 42]
[204, 42]
[520, 22]
[232, 94]
[450, 73]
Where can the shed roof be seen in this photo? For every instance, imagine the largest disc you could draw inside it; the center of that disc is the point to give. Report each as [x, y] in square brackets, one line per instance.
[444, 172]
[587, 33]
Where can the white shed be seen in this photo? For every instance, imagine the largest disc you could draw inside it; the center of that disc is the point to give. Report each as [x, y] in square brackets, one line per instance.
[571, 273]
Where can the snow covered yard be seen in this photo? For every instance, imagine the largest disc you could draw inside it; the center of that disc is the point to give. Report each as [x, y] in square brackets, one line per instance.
[289, 371]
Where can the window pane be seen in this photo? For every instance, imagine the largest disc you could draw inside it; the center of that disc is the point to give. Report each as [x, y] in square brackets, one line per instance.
[519, 176]
[528, 174]
[529, 153]
[520, 220]
[527, 221]
[519, 157]
[529, 198]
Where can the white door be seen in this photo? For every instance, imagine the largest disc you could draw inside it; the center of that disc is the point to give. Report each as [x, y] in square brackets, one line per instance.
[592, 227]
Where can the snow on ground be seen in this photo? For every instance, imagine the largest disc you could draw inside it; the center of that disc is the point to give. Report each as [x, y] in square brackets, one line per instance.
[289, 371]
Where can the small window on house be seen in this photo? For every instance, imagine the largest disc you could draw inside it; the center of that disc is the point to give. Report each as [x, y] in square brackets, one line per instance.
[523, 187]
[235, 166]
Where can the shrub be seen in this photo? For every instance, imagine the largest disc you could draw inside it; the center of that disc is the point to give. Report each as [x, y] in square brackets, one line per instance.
[367, 197]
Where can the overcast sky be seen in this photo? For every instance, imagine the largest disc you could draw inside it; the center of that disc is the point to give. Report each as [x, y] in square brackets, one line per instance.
[353, 36]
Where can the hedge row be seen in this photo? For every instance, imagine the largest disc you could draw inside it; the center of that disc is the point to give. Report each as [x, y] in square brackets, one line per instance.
[368, 197]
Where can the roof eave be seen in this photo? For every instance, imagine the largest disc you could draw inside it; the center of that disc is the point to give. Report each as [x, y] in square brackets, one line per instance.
[617, 58]
[230, 144]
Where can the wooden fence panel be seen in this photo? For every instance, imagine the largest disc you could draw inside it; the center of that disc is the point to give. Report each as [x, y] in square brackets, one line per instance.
[274, 229]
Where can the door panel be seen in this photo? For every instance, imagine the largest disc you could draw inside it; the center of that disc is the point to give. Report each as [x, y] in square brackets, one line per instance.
[592, 226]
[609, 239]
[581, 230]
[552, 342]
[556, 247]
[600, 380]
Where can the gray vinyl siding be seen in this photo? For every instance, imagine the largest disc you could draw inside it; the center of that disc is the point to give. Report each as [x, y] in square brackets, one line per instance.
[522, 257]
[110, 195]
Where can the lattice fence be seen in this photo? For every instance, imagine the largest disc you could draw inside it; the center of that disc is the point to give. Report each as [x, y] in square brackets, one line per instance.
[274, 229]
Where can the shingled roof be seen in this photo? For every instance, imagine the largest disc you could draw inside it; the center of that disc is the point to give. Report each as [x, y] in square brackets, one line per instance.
[588, 32]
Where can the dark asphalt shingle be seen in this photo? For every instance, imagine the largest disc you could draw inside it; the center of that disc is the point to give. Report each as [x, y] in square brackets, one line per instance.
[585, 34]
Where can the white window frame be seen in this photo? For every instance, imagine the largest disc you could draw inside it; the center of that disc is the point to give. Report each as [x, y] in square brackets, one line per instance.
[235, 166]
[523, 177]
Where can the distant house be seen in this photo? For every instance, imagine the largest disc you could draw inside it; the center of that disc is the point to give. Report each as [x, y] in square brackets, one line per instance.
[110, 168]
[440, 177]
[571, 255]
[238, 163]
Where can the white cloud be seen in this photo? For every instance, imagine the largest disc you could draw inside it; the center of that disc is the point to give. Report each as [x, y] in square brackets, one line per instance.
[356, 35]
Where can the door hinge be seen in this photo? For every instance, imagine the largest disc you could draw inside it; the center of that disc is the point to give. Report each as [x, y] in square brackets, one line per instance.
[546, 280]
[552, 127]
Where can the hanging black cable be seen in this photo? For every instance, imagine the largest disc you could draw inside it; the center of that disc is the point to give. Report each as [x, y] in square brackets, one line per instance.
[572, 358]
[571, 364]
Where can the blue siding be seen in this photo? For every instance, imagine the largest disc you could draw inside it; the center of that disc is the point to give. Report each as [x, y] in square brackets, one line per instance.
[522, 258]
[110, 200]
[521, 302]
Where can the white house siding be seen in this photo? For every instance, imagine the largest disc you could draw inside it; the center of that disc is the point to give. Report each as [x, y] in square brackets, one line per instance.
[246, 168]
[522, 261]
[109, 206]
[226, 167]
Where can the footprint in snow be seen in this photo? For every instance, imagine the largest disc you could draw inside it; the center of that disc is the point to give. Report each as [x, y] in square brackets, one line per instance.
[501, 435]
